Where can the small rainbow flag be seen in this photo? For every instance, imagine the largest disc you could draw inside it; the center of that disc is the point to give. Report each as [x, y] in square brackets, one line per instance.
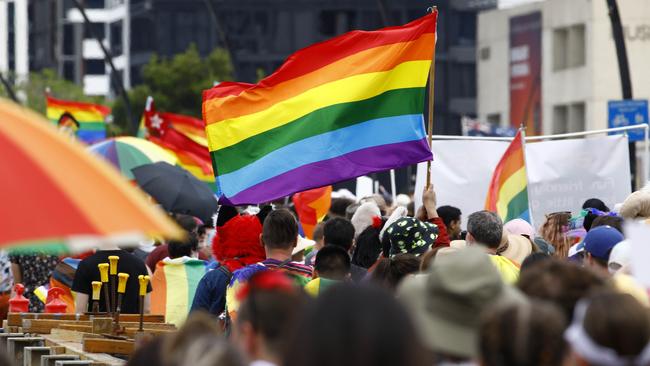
[336, 110]
[173, 286]
[91, 117]
[311, 207]
[508, 192]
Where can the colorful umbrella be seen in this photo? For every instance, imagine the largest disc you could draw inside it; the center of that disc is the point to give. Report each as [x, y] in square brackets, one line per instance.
[53, 192]
[126, 153]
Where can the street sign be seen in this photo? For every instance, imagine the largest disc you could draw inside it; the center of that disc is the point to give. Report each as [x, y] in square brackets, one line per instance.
[628, 113]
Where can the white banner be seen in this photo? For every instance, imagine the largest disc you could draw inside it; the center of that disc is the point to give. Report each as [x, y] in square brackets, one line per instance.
[562, 174]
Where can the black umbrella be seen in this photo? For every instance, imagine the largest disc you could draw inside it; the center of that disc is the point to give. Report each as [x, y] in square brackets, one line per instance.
[176, 190]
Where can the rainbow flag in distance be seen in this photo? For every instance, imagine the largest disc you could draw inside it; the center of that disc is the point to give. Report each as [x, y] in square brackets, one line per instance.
[91, 117]
[173, 286]
[333, 111]
[508, 192]
[311, 207]
[184, 137]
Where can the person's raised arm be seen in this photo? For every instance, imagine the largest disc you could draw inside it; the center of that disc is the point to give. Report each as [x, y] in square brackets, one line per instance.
[429, 202]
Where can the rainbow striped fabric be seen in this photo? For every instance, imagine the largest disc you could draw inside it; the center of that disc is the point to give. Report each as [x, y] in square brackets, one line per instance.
[333, 111]
[508, 192]
[91, 117]
[173, 286]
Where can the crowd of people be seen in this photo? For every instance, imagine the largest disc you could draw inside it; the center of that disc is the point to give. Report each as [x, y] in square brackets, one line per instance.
[379, 284]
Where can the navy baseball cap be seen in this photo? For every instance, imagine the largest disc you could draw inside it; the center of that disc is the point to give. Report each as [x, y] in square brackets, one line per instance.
[600, 240]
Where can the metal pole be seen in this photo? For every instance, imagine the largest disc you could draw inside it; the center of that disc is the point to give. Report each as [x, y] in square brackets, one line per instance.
[222, 36]
[9, 89]
[393, 189]
[624, 71]
[117, 82]
[646, 154]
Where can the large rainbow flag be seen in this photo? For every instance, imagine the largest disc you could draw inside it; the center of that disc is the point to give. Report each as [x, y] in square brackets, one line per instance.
[333, 111]
[183, 136]
[508, 192]
[173, 286]
[91, 117]
[311, 207]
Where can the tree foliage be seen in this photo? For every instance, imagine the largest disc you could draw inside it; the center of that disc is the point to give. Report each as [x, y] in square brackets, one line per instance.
[177, 83]
[32, 90]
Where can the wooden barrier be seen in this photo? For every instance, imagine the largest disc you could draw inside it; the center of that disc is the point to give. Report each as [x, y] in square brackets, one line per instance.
[16, 319]
[111, 346]
[44, 326]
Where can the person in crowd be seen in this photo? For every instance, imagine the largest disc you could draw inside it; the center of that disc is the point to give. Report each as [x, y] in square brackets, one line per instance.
[610, 329]
[340, 232]
[367, 247]
[609, 220]
[451, 216]
[593, 206]
[236, 245]
[531, 260]
[319, 238]
[355, 326]
[515, 247]
[524, 334]
[368, 214]
[279, 236]
[332, 266]
[561, 282]
[637, 205]
[6, 283]
[620, 258]
[428, 213]
[33, 270]
[188, 223]
[338, 207]
[87, 272]
[520, 227]
[177, 279]
[485, 229]
[271, 304]
[598, 244]
[447, 301]
[389, 272]
[197, 343]
[412, 236]
[554, 231]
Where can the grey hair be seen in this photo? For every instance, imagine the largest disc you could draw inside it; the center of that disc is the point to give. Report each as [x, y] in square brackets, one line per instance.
[486, 227]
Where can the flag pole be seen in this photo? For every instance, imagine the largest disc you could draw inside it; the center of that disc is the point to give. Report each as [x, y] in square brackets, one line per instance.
[522, 128]
[432, 78]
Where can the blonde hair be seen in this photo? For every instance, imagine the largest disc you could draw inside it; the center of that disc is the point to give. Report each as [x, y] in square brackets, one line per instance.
[554, 231]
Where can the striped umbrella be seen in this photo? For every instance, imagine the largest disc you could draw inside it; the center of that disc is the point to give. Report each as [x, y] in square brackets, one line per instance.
[126, 153]
[54, 194]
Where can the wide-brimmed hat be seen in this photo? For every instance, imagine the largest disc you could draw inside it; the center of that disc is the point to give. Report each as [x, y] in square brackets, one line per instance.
[410, 235]
[447, 301]
[517, 248]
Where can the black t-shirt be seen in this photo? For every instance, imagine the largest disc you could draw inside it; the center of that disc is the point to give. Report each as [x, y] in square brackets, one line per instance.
[128, 263]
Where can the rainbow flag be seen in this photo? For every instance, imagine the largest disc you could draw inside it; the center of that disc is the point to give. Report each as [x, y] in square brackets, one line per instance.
[508, 192]
[184, 137]
[311, 207]
[173, 287]
[336, 110]
[91, 117]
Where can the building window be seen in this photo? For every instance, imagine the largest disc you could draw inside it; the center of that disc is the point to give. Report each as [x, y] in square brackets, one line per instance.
[560, 119]
[68, 39]
[68, 70]
[569, 47]
[116, 38]
[569, 118]
[94, 30]
[494, 119]
[484, 53]
[94, 67]
[335, 22]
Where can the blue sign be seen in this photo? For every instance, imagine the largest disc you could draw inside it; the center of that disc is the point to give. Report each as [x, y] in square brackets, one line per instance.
[628, 113]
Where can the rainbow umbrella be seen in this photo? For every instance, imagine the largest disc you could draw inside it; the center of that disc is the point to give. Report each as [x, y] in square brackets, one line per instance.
[57, 196]
[126, 153]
